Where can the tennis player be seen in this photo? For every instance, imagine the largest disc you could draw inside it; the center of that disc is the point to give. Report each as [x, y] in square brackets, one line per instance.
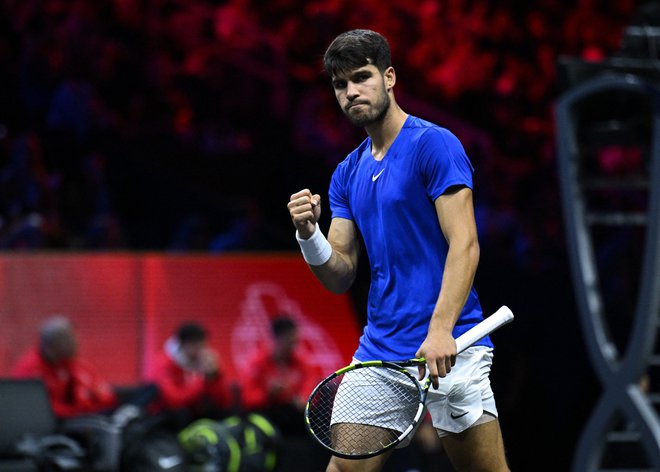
[406, 192]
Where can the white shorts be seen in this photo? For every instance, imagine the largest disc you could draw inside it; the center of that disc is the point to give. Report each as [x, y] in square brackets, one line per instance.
[464, 397]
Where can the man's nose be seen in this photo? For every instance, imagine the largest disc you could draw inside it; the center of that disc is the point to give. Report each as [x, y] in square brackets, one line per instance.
[351, 91]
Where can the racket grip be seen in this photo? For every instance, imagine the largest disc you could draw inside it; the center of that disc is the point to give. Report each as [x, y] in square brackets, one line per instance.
[501, 317]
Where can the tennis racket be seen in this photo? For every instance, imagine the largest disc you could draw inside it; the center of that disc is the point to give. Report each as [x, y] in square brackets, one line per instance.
[365, 409]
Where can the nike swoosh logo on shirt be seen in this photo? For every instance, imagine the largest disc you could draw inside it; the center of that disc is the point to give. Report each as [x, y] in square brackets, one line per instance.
[374, 177]
[458, 416]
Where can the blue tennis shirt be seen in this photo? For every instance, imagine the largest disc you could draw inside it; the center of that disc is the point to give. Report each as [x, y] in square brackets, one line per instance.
[392, 203]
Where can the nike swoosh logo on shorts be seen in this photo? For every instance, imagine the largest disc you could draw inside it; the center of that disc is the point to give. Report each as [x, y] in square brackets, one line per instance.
[374, 177]
[455, 417]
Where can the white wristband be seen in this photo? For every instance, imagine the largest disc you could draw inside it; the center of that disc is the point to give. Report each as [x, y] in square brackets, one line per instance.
[316, 250]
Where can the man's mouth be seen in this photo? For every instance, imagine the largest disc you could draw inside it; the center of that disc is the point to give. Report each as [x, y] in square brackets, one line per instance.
[355, 104]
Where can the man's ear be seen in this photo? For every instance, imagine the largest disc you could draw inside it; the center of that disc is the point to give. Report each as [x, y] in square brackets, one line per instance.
[390, 78]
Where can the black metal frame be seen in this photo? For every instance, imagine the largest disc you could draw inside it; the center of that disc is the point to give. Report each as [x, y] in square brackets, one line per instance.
[619, 374]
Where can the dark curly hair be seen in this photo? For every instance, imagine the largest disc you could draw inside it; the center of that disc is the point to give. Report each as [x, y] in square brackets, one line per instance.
[190, 332]
[357, 48]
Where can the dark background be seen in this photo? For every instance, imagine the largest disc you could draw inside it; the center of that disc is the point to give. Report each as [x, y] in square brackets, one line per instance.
[185, 125]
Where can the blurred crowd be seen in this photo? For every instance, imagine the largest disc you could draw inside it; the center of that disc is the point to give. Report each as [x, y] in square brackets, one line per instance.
[186, 124]
[185, 396]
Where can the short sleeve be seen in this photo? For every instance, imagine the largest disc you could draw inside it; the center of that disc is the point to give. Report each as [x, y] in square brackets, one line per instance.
[443, 162]
[338, 195]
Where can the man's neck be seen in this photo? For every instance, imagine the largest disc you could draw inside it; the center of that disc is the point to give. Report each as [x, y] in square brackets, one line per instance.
[385, 132]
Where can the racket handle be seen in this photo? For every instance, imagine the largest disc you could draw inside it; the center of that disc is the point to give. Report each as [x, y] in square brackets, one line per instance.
[501, 317]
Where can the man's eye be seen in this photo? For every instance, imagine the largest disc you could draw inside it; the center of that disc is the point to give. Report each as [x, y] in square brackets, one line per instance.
[339, 84]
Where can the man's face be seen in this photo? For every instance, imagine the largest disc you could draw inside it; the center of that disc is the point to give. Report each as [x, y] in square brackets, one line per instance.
[193, 350]
[63, 347]
[286, 342]
[362, 94]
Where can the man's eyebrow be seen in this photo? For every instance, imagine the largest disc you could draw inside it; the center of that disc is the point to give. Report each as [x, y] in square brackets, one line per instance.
[352, 73]
[345, 75]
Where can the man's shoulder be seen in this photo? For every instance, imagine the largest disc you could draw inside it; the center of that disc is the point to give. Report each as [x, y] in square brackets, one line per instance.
[356, 154]
[351, 161]
[425, 128]
[29, 362]
[423, 134]
[163, 364]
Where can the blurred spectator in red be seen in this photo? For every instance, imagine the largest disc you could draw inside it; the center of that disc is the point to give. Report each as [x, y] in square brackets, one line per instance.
[279, 380]
[189, 377]
[73, 386]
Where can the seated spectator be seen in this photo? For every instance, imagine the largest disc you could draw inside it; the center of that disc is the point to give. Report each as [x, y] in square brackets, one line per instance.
[279, 380]
[73, 385]
[188, 377]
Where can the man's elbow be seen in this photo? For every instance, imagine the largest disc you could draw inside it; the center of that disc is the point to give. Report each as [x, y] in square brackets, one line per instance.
[474, 251]
[467, 251]
[336, 280]
[336, 286]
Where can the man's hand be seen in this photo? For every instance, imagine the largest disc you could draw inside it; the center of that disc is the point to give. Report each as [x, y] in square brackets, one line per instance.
[209, 363]
[439, 350]
[305, 211]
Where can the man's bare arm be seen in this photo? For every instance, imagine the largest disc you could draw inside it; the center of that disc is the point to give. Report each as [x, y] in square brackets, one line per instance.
[456, 215]
[334, 262]
[338, 274]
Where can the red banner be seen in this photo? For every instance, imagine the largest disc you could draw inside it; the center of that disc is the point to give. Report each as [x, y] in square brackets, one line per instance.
[125, 306]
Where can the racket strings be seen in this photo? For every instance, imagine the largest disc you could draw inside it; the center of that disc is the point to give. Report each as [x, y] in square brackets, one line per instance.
[364, 410]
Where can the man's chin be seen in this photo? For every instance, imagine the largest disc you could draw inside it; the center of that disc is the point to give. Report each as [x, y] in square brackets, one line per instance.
[361, 120]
